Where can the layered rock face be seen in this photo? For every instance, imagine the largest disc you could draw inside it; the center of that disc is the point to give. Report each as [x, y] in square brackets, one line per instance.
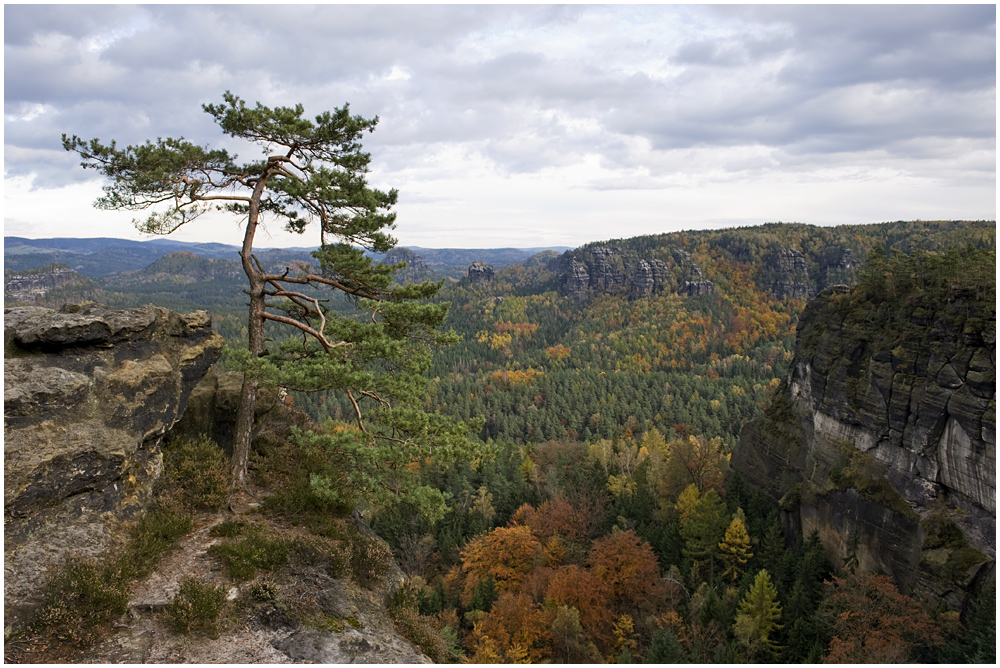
[786, 273]
[480, 272]
[793, 281]
[607, 270]
[89, 392]
[883, 439]
[213, 403]
[413, 261]
[33, 285]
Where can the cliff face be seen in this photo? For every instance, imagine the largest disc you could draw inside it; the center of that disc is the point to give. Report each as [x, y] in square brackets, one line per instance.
[883, 436]
[32, 286]
[783, 272]
[790, 273]
[88, 395]
[609, 270]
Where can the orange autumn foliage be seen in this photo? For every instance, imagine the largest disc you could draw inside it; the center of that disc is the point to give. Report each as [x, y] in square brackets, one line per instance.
[627, 567]
[578, 588]
[507, 377]
[507, 554]
[558, 351]
[559, 517]
[514, 631]
[873, 622]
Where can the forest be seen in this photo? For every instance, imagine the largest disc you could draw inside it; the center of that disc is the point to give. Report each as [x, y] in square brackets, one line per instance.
[600, 520]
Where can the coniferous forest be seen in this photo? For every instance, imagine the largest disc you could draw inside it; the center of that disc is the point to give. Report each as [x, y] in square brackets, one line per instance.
[600, 519]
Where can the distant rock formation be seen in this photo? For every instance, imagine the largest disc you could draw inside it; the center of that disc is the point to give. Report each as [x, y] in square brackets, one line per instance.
[31, 286]
[480, 272]
[792, 275]
[89, 392]
[414, 263]
[609, 270]
[649, 277]
[695, 288]
[885, 443]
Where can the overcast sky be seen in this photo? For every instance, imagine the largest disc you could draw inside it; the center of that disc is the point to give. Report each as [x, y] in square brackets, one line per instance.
[532, 125]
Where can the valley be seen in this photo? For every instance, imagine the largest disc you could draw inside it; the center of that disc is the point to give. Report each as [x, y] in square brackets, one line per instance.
[699, 446]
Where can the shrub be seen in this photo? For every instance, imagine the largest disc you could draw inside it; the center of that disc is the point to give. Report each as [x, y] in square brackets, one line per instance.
[257, 550]
[156, 532]
[319, 550]
[197, 468]
[197, 608]
[228, 529]
[371, 560]
[264, 590]
[83, 599]
[421, 632]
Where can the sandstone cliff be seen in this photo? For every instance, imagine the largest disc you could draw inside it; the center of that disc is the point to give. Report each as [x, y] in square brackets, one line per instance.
[883, 436]
[598, 269]
[784, 272]
[34, 286]
[89, 392]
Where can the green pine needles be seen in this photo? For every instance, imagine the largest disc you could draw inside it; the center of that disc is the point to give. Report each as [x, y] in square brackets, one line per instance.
[313, 173]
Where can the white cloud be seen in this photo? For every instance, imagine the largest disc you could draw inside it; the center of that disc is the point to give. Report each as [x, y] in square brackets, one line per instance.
[570, 123]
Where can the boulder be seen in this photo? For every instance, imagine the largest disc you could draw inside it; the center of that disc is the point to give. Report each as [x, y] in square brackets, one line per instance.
[89, 393]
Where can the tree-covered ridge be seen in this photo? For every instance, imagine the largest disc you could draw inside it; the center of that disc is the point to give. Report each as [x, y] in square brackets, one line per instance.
[604, 452]
[539, 366]
[673, 367]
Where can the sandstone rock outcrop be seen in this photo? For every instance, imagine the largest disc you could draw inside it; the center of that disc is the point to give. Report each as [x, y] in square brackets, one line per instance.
[695, 288]
[883, 439]
[31, 286]
[792, 275]
[212, 405]
[480, 272]
[413, 261]
[89, 392]
[609, 270]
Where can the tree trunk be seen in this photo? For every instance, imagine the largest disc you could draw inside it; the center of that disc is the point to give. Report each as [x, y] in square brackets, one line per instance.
[243, 433]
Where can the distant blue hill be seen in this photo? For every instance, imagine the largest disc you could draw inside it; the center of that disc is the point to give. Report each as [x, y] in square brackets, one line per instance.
[103, 256]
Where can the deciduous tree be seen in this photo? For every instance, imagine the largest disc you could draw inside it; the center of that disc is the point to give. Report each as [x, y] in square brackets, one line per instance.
[514, 631]
[873, 622]
[734, 549]
[507, 554]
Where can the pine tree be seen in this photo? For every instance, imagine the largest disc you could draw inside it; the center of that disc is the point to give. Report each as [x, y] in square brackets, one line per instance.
[757, 617]
[314, 173]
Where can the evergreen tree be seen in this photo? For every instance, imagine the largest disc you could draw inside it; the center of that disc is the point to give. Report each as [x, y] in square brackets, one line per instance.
[313, 173]
[702, 531]
[757, 617]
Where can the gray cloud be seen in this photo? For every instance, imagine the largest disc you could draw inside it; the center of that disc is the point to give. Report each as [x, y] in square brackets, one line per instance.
[528, 87]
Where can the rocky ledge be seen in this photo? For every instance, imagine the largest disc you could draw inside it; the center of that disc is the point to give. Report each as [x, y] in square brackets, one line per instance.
[89, 392]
